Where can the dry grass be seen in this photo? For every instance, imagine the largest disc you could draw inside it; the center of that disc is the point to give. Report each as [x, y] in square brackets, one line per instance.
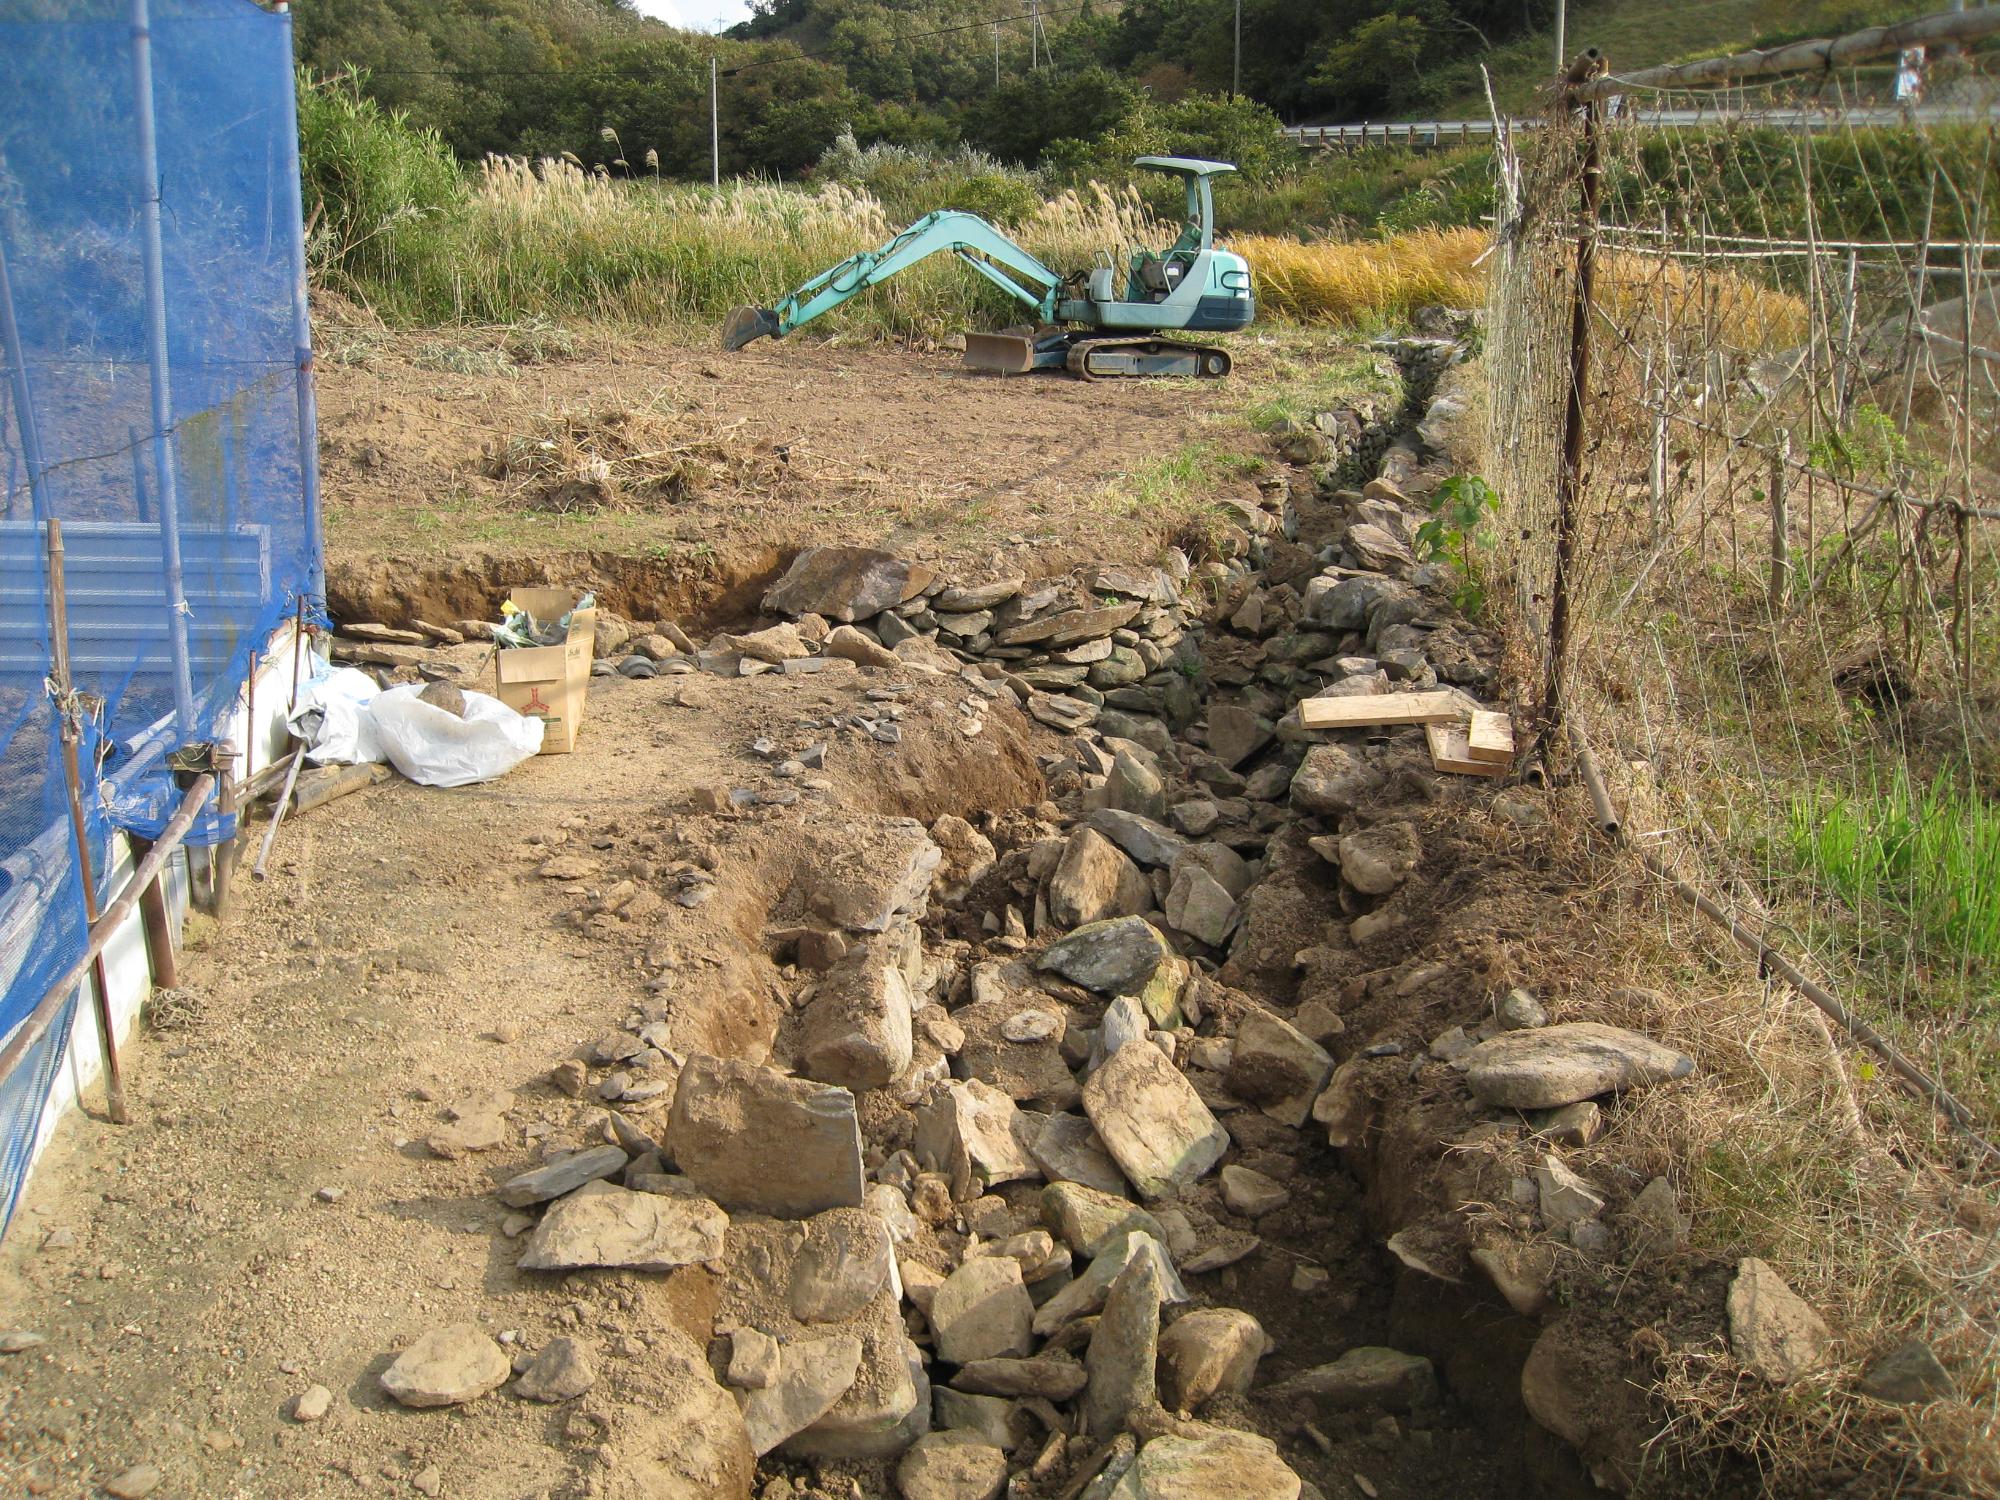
[627, 459]
[1366, 281]
[1783, 1146]
[1649, 297]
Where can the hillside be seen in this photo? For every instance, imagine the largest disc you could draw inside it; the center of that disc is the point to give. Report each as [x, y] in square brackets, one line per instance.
[1644, 34]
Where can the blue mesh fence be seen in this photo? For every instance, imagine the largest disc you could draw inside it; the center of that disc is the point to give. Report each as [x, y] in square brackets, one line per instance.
[152, 336]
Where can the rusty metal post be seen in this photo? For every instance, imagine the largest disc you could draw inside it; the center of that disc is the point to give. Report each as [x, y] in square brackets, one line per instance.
[66, 710]
[1569, 483]
[159, 927]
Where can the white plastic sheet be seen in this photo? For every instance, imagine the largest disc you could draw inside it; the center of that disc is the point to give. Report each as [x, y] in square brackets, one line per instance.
[435, 747]
[331, 718]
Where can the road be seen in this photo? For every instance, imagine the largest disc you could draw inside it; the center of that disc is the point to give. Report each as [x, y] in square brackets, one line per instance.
[1436, 132]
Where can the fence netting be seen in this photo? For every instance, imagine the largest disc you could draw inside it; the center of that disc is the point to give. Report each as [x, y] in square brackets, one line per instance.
[1781, 578]
[150, 401]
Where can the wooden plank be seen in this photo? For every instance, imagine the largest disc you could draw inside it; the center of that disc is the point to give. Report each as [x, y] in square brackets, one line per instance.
[1491, 737]
[324, 783]
[1449, 752]
[1381, 708]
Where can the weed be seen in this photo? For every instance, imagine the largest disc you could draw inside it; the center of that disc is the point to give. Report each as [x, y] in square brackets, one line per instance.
[1456, 528]
[537, 341]
[1920, 869]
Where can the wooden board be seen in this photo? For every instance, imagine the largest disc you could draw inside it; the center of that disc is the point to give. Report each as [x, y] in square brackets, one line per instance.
[1491, 737]
[1449, 752]
[1381, 708]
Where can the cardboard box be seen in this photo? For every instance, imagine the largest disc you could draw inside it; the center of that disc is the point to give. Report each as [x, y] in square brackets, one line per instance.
[549, 682]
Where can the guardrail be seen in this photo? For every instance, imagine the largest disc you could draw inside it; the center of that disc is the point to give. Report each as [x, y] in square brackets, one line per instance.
[1454, 132]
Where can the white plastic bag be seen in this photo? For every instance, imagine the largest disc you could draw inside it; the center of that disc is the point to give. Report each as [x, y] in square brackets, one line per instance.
[435, 747]
[331, 718]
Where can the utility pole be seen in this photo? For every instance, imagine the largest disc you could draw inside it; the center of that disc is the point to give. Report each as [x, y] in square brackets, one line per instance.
[1562, 41]
[1034, 35]
[714, 128]
[996, 54]
[1236, 72]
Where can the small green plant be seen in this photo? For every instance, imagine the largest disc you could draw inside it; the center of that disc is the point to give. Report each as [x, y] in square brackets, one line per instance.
[1455, 530]
[1871, 445]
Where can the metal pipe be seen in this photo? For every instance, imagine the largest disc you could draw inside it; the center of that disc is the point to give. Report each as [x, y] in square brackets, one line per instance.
[156, 358]
[114, 1082]
[43, 1015]
[24, 400]
[278, 815]
[302, 352]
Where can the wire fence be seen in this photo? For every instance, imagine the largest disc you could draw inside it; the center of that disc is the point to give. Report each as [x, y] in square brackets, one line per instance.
[1750, 437]
[1744, 414]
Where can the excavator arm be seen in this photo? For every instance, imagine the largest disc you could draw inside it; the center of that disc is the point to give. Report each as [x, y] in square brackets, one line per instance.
[968, 236]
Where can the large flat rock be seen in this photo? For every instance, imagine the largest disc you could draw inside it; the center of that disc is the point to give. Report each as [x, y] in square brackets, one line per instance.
[1095, 881]
[858, 1027]
[1277, 1067]
[447, 1367]
[1220, 1465]
[866, 874]
[604, 1225]
[1115, 957]
[846, 583]
[1152, 1121]
[812, 1375]
[1551, 1066]
[755, 1140]
[966, 1131]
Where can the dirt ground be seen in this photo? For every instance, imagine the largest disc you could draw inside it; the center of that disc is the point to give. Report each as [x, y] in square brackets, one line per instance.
[720, 463]
[276, 1216]
[188, 1272]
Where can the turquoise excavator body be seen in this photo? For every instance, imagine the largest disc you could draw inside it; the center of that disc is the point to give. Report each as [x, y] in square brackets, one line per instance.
[1104, 321]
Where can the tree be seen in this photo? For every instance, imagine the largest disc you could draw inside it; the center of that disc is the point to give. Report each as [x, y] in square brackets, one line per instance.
[1017, 120]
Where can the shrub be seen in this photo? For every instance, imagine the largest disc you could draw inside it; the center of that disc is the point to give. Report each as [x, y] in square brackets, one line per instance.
[367, 174]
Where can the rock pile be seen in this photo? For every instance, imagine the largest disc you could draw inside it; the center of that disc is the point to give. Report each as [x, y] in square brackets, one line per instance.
[961, 1211]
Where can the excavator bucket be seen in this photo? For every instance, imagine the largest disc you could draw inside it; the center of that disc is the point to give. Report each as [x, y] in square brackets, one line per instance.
[999, 353]
[747, 323]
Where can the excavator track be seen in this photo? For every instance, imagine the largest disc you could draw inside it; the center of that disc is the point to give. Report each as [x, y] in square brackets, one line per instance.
[1100, 358]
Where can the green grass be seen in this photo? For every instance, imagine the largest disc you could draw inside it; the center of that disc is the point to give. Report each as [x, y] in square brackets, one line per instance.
[1918, 867]
[1301, 384]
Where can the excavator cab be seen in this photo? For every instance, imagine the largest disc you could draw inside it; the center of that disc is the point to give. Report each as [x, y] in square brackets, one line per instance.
[1193, 285]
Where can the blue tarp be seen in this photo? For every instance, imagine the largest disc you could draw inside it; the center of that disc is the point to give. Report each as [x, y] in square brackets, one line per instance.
[132, 289]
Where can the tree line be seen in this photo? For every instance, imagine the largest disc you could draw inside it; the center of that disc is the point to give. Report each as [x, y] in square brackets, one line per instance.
[595, 80]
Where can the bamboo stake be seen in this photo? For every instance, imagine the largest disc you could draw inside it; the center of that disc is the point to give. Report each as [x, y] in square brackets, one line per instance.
[114, 1082]
[1780, 528]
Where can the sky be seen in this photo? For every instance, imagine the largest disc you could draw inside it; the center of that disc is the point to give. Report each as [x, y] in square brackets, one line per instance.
[697, 15]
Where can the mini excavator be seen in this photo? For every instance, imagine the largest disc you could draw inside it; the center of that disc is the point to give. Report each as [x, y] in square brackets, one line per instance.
[1082, 322]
